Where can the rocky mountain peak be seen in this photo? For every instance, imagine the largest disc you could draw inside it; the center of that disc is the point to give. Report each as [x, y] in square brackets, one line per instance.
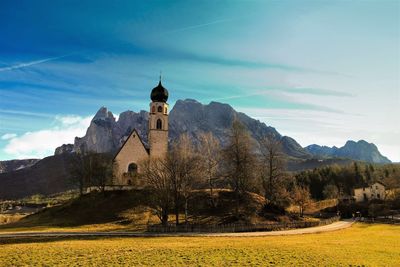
[104, 114]
[107, 135]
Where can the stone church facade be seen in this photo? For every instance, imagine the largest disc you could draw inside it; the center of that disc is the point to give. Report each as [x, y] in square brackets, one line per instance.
[133, 151]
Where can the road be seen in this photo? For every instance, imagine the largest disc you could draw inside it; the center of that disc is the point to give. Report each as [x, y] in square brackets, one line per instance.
[311, 230]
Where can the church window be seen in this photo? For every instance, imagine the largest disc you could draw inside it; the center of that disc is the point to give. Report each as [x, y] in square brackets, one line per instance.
[132, 169]
[159, 108]
[165, 110]
[159, 124]
[153, 109]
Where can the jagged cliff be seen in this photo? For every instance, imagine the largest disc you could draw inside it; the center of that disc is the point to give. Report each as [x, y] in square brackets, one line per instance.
[105, 134]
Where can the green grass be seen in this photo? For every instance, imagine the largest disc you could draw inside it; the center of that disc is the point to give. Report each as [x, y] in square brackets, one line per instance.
[360, 245]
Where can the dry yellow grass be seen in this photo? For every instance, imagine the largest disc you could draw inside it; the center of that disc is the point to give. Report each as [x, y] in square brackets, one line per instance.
[10, 218]
[360, 245]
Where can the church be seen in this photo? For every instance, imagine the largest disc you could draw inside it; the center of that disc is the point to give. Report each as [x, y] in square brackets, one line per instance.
[134, 151]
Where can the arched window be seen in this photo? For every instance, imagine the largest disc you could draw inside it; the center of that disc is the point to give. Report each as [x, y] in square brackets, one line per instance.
[132, 169]
[165, 110]
[153, 109]
[159, 124]
[159, 108]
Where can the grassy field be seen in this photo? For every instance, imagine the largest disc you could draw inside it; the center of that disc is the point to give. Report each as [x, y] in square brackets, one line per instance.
[360, 245]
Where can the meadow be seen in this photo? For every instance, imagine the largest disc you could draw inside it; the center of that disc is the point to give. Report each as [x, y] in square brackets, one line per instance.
[360, 245]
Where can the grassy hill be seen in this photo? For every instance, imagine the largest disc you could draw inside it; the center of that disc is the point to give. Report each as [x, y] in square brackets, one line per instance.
[48, 176]
[133, 210]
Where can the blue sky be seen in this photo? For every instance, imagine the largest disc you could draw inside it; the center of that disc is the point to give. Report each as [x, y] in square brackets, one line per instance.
[319, 71]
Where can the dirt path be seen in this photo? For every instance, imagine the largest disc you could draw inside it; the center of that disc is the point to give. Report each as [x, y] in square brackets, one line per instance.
[311, 230]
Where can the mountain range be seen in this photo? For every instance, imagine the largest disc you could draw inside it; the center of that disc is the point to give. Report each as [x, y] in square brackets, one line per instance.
[360, 150]
[106, 134]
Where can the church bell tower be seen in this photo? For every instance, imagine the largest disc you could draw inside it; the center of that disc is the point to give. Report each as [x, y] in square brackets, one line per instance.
[158, 121]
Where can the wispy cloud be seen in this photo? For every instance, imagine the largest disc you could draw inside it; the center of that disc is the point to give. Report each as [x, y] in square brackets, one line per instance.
[317, 91]
[230, 62]
[26, 113]
[299, 90]
[31, 63]
[195, 26]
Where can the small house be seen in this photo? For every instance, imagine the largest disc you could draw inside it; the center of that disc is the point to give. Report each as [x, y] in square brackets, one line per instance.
[373, 191]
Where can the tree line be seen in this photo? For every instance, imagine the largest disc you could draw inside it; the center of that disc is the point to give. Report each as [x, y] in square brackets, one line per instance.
[338, 181]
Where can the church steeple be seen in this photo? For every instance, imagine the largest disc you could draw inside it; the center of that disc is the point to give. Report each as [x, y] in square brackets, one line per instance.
[158, 121]
[159, 93]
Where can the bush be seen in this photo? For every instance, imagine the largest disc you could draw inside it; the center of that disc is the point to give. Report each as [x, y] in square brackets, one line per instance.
[272, 208]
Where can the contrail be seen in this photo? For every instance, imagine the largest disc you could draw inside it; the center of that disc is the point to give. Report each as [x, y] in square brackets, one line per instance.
[196, 26]
[26, 113]
[27, 64]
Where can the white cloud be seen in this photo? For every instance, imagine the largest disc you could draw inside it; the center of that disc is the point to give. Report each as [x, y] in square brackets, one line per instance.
[69, 119]
[42, 143]
[8, 136]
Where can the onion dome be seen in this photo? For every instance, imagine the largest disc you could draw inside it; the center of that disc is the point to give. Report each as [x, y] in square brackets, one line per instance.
[159, 93]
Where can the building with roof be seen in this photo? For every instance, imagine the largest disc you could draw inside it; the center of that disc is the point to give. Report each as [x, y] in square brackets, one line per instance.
[374, 191]
[133, 151]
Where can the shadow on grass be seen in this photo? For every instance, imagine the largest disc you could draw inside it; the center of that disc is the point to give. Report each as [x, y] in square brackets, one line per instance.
[93, 208]
[52, 239]
[29, 240]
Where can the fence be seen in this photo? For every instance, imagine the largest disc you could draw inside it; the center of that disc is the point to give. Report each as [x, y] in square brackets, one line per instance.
[110, 188]
[231, 228]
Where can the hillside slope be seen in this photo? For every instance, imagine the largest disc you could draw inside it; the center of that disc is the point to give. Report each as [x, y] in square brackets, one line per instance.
[49, 175]
[134, 209]
[16, 164]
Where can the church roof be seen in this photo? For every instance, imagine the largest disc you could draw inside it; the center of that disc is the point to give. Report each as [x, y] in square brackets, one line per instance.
[129, 136]
[159, 93]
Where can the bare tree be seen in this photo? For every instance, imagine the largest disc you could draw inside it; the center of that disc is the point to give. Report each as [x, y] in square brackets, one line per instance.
[101, 169]
[187, 160]
[182, 165]
[156, 173]
[80, 172]
[301, 197]
[272, 167]
[91, 169]
[240, 161]
[210, 155]
[172, 169]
